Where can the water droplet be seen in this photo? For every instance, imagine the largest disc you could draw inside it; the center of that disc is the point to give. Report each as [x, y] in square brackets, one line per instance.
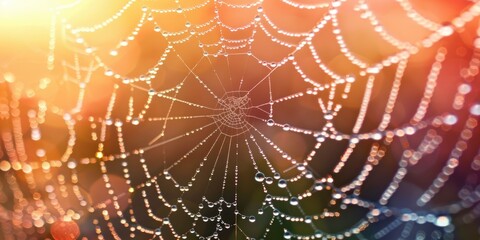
[257, 18]
[259, 177]
[179, 10]
[287, 235]
[270, 122]
[276, 212]
[446, 30]
[158, 231]
[328, 116]
[450, 119]
[268, 198]
[41, 152]
[151, 92]
[318, 186]
[376, 136]
[337, 196]
[36, 135]
[286, 127]
[464, 88]
[282, 183]
[350, 78]
[109, 73]
[373, 70]
[294, 201]
[475, 109]
[135, 121]
[118, 123]
[268, 180]
[108, 121]
[251, 219]
[442, 221]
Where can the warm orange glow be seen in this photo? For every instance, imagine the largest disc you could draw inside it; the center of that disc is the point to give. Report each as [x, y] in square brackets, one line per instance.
[239, 119]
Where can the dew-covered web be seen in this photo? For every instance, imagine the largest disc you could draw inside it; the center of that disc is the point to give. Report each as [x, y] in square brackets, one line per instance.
[248, 120]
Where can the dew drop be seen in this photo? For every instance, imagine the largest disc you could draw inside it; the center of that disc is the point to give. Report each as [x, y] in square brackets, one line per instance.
[40, 152]
[251, 219]
[276, 175]
[442, 221]
[464, 88]
[276, 212]
[36, 135]
[135, 121]
[446, 30]
[337, 196]
[350, 78]
[282, 183]
[268, 198]
[118, 123]
[108, 73]
[475, 109]
[450, 119]
[108, 121]
[328, 116]
[268, 180]
[294, 201]
[270, 122]
[259, 177]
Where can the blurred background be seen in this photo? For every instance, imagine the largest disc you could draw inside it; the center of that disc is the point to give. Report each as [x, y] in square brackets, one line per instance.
[239, 119]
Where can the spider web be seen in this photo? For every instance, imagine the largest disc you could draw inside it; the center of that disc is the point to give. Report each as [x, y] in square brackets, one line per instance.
[247, 120]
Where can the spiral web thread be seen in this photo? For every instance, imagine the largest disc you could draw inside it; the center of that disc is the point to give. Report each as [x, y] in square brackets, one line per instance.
[226, 122]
